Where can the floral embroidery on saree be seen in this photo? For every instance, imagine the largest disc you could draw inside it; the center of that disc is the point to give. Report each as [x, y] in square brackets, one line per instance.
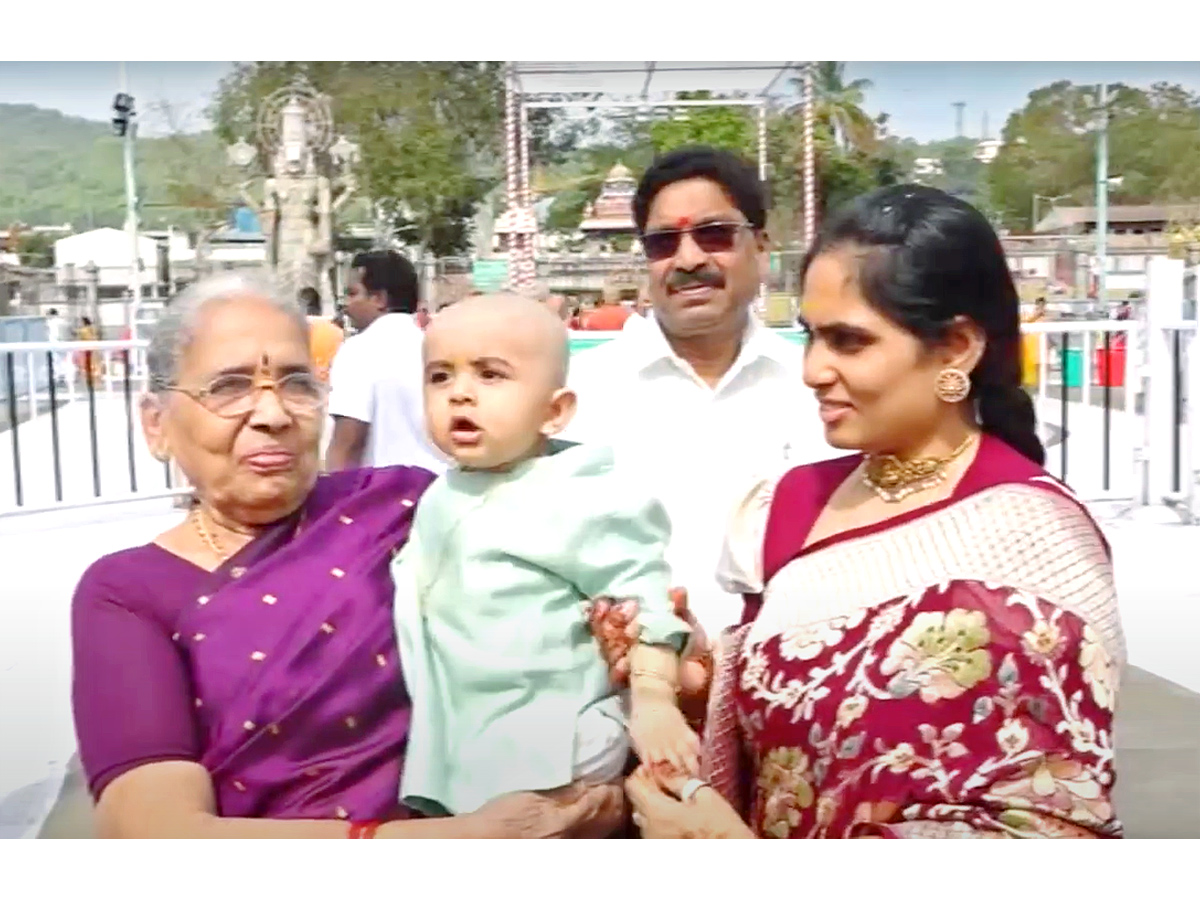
[964, 710]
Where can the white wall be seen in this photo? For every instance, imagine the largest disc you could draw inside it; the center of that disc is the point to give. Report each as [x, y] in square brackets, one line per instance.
[109, 249]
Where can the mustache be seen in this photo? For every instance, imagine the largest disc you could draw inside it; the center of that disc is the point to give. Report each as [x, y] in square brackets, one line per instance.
[678, 280]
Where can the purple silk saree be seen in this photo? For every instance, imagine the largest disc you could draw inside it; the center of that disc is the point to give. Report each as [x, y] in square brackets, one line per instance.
[299, 695]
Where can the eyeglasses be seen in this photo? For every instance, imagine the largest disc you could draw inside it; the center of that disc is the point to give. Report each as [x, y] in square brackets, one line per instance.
[300, 394]
[711, 237]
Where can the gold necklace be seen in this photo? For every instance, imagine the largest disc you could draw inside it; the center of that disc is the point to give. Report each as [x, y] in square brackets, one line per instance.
[209, 539]
[893, 479]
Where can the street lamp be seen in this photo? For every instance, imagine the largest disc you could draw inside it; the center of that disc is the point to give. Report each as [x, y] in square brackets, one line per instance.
[1102, 182]
[125, 126]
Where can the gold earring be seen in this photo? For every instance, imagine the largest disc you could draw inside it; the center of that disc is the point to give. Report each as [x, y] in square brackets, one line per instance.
[952, 385]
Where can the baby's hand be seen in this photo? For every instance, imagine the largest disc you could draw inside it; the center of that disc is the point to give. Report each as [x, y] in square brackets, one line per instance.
[661, 737]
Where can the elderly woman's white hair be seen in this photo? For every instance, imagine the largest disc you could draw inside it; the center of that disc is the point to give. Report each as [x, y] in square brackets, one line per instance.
[175, 328]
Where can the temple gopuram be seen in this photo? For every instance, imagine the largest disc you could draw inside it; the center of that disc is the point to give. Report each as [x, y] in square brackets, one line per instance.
[611, 215]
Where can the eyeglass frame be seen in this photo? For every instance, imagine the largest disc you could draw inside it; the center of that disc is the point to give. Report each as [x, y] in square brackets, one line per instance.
[256, 384]
[691, 229]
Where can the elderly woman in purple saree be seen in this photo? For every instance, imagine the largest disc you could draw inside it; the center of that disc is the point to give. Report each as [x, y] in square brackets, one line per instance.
[238, 676]
[289, 655]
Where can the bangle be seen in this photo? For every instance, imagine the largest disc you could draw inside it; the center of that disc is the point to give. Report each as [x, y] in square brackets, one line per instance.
[363, 830]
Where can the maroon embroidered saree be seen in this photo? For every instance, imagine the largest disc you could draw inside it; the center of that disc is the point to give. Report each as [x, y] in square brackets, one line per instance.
[298, 689]
[951, 672]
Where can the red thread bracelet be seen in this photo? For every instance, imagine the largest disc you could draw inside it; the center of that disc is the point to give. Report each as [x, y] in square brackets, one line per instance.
[363, 830]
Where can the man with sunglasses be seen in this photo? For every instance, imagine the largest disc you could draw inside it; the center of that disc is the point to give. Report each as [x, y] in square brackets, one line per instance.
[703, 400]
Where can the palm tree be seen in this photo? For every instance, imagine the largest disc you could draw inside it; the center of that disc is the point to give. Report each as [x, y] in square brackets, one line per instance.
[839, 106]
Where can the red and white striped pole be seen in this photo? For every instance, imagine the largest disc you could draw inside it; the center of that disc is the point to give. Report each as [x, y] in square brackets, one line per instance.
[511, 173]
[810, 163]
[528, 274]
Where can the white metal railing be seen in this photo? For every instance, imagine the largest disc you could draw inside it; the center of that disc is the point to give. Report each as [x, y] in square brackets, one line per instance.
[1079, 373]
[1112, 416]
[70, 434]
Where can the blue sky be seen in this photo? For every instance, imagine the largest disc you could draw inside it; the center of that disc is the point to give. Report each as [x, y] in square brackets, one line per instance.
[918, 95]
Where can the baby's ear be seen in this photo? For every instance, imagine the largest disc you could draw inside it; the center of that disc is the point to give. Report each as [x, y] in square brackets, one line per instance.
[560, 412]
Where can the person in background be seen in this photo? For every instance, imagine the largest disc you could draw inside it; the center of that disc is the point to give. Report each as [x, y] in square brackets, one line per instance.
[641, 311]
[1031, 352]
[56, 333]
[607, 315]
[376, 378]
[704, 400]
[90, 362]
[324, 338]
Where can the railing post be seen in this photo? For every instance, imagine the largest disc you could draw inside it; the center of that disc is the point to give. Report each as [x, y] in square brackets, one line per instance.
[1164, 308]
[1190, 465]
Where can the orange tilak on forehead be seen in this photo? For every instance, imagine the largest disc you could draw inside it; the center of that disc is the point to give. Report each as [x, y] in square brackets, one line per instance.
[683, 223]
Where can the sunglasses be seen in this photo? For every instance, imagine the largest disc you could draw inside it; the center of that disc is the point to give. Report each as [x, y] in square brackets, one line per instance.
[711, 237]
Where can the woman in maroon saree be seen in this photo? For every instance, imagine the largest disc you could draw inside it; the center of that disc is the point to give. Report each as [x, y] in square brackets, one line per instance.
[238, 677]
[931, 646]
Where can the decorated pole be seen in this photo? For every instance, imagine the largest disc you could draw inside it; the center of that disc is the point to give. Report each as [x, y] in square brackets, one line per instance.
[810, 167]
[511, 172]
[762, 178]
[528, 273]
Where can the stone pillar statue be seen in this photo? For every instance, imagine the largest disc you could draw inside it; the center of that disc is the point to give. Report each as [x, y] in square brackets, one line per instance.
[309, 179]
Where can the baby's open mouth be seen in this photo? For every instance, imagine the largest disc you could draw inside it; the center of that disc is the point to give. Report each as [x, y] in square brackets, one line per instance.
[463, 428]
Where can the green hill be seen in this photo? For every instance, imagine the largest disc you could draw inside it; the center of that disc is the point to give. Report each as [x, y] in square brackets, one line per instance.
[56, 168]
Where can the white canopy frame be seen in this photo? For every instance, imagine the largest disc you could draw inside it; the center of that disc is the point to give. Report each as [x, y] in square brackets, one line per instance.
[637, 86]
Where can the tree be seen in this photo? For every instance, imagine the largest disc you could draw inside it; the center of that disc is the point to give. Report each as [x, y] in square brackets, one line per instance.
[839, 107]
[34, 248]
[199, 187]
[843, 170]
[429, 133]
[1049, 148]
[727, 127]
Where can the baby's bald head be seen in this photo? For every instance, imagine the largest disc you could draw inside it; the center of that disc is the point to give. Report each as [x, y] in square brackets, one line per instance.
[529, 328]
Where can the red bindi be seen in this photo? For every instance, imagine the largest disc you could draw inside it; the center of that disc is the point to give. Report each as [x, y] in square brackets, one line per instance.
[683, 223]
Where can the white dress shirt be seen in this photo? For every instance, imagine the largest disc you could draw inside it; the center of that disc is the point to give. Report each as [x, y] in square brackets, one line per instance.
[377, 377]
[699, 449]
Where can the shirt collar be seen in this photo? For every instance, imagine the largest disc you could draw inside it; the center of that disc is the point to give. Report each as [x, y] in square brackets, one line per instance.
[650, 348]
[389, 320]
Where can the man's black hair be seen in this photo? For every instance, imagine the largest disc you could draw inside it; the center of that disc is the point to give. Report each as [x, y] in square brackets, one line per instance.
[310, 299]
[389, 272]
[736, 177]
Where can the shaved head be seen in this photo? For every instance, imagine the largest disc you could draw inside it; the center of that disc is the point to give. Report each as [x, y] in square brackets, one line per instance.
[533, 326]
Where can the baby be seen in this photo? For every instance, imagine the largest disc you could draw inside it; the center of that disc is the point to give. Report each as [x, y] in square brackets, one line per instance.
[509, 689]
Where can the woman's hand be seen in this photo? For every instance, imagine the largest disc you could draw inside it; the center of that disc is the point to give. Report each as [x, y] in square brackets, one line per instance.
[660, 814]
[579, 810]
[614, 623]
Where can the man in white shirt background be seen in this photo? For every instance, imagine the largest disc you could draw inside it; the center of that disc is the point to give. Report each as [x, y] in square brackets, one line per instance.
[703, 400]
[377, 375]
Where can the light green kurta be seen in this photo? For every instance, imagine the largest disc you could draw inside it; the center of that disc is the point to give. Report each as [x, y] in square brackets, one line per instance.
[497, 654]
